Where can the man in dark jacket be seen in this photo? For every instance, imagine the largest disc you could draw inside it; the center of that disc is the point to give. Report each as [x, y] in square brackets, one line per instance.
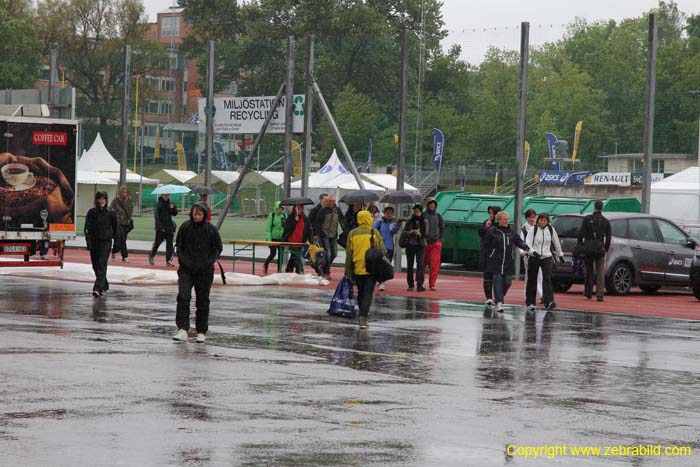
[322, 202]
[198, 247]
[417, 230]
[297, 229]
[433, 247]
[498, 243]
[488, 278]
[595, 231]
[123, 206]
[100, 229]
[165, 229]
[328, 221]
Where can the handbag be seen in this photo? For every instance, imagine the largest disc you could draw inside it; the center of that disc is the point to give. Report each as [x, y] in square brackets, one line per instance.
[130, 227]
[376, 262]
[403, 239]
[343, 301]
[343, 239]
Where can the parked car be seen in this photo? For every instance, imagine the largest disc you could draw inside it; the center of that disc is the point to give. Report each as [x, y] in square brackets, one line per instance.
[646, 251]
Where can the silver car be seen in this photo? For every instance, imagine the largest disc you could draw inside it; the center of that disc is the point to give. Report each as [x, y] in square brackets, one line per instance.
[646, 251]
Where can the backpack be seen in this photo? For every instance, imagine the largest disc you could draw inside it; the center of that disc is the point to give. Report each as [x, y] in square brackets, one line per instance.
[376, 262]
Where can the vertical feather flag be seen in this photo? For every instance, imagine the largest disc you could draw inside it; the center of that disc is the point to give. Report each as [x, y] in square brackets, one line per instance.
[577, 136]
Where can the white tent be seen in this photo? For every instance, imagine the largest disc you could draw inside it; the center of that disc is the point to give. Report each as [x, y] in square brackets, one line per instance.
[169, 176]
[99, 159]
[678, 197]
[388, 182]
[89, 183]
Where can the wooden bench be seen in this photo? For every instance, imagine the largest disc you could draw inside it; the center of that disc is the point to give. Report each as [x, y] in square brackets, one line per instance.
[251, 244]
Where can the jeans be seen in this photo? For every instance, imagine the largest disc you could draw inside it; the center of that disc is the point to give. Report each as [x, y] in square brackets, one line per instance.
[168, 237]
[99, 256]
[417, 252]
[120, 241]
[201, 281]
[595, 266]
[432, 259]
[331, 247]
[501, 284]
[534, 264]
[365, 290]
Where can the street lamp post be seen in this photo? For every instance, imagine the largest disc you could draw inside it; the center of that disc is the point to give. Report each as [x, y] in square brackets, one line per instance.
[697, 93]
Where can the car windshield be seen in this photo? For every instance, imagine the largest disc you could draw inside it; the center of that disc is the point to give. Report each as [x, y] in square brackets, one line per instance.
[567, 226]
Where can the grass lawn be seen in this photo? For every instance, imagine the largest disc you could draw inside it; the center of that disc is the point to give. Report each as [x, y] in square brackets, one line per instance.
[233, 228]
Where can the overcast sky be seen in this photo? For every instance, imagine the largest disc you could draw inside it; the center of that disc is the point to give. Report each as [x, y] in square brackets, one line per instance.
[467, 19]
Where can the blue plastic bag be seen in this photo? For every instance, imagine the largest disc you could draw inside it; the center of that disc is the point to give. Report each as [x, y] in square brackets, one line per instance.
[343, 302]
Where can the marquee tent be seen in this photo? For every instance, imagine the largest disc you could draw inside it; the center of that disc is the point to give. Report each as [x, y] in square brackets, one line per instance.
[89, 183]
[169, 176]
[677, 197]
[99, 159]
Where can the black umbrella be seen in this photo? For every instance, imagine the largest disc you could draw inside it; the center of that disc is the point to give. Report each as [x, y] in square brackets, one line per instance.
[295, 201]
[359, 197]
[401, 197]
[203, 190]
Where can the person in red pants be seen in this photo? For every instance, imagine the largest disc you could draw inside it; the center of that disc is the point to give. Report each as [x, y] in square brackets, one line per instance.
[433, 249]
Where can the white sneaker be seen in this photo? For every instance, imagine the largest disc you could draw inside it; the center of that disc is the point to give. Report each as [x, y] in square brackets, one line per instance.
[180, 336]
[499, 307]
[531, 308]
[489, 302]
[381, 286]
[200, 338]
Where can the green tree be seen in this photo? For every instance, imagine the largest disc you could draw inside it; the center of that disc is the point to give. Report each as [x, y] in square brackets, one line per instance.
[20, 47]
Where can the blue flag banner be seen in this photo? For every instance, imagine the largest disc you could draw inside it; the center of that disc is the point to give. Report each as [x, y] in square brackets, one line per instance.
[221, 155]
[551, 142]
[438, 147]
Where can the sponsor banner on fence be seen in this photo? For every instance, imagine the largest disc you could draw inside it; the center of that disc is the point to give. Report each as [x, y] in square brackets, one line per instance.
[239, 115]
[620, 178]
[555, 177]
[638, 178]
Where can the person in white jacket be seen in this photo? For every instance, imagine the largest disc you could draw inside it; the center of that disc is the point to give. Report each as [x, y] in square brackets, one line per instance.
[531, 218]
[544, 248]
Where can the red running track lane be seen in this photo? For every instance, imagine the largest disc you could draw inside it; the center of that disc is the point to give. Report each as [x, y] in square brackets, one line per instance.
[662, 304]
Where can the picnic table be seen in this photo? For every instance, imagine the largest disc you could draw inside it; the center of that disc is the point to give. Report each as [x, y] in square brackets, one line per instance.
[295, 249]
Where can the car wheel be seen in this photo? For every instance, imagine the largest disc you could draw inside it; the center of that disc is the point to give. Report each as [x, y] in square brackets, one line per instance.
[620, 279]
[561, 285]
[649, 289]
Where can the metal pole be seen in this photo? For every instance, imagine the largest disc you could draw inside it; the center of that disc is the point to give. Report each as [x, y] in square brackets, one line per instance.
[336, 131]
[209, 137]
[249, 158]
[136, 117]
[649, 115]
[403, 113]
[143, 137]
[289, 116]
[52, 80]
[125, 115]
[697, 93]
[520, 148]
[308, 118]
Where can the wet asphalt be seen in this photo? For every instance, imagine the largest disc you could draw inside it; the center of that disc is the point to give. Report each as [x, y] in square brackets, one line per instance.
[430, 383]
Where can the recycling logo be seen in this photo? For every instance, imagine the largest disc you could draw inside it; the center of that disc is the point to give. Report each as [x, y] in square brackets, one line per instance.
[298, 106]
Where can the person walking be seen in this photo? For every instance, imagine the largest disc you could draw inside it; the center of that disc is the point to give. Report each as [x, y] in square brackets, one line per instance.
[360, 239]
[595, 236]
[123, 206]
[322, 200]
[544, 247]
[100, 229]
[387, 226]
[499, 242]
[198, 247]
[433, 247]
[488, 277]
[165, 229]
[297, 229]
[417, 229]
[274, 229]
[374, 210]
[531, 220]
[328, 221]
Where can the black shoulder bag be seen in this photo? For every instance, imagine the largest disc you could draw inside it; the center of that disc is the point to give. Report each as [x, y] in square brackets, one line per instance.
[376, 262]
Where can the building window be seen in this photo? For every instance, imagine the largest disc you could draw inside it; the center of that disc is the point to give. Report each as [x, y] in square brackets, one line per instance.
[167, 84]
[167, 107]
[152, 107]
[657, 166]
[170, 26]
[173, 54]
[45, 73]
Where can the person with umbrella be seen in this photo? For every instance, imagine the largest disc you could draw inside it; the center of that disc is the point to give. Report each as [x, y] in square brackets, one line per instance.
[387, 227]
[297, 229]
[417, 230]
[165, 229]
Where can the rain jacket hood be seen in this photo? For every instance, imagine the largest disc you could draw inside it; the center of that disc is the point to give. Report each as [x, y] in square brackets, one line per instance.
[101, 194]
[274, 229]
[364, 219]
[358, 243]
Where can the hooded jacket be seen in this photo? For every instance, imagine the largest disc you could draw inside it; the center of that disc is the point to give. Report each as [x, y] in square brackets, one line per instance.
[164, 215]
[291, 223]
[498, 246]
[483, 229]
[387, 228]
[436, 226]
[328, 220]
[421, 228]
[100, 222]
[124, 209]
[377, 215]
[543, 241]
[198, 244]
[274, 229]
[482, 234]
[358, 244]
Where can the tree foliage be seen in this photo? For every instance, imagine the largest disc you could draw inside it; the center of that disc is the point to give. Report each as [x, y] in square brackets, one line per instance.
[20, 47]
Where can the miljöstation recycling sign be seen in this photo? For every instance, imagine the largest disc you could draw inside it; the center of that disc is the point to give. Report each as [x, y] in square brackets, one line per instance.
[247, 114]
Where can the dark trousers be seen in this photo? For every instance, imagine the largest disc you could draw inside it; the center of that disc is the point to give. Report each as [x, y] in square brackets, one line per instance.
[99, 256]
[501, 284]
[365, 290]
[201, 281]
[120, 241]
[595, 266]
[331, 247]
[488, 285]
[417, 253]
[534, 264]
[168, 237]
[273, 253]
[294, 263]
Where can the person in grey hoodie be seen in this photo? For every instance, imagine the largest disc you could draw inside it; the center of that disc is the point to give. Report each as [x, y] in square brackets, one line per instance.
[433, 248]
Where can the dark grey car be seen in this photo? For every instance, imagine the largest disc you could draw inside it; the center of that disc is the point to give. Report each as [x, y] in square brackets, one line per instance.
[646, 251]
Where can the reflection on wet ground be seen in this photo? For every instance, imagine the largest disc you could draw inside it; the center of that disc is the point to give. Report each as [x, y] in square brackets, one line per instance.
[279, 383]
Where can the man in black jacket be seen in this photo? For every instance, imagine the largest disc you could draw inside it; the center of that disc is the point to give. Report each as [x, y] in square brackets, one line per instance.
[595, 231]
[165, 229]
[322, 202]
[100, 229]
[198, 246]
